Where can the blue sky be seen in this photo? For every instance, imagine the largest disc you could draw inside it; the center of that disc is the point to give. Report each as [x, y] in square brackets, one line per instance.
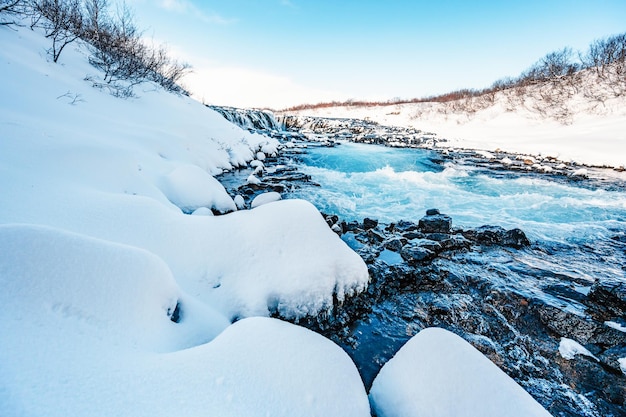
[275, 53]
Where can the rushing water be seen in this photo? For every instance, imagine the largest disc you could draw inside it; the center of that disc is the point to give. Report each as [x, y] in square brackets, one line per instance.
[577, 229]
[390, 184]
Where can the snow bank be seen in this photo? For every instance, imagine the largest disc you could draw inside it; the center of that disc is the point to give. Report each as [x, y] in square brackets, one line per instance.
[595, 136]
[115, 301]
[87, 330]
[436, 373]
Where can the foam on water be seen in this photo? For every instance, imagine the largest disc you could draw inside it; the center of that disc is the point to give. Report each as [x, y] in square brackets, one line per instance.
[390, 184]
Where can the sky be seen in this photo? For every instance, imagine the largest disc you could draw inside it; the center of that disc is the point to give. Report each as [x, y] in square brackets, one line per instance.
[279, 53]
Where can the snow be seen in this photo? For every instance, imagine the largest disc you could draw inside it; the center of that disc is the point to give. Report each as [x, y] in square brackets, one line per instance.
[569, 348]
[616, 326]
[436, 373]
[265, 198]
[622, 365]
[252, 179]
[190, 187]
[595, 136]
[116, 301]
[93, 336]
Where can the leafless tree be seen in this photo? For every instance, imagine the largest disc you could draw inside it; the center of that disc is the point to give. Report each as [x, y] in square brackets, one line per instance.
[9, 9]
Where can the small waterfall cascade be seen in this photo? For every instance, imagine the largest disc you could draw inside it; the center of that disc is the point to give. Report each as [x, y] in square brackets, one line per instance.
[251, 119]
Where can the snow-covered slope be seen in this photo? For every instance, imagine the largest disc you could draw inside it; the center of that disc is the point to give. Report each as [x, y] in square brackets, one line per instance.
[119, 286]
[116, 300]
[594, 135]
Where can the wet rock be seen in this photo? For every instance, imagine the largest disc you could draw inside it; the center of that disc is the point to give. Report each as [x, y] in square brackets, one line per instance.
[415, 254]
[395, 244]
[369, 223]
[566, 324]
[607, 298]
[438, 223]
[496, 235]
[413, 235]
[432, 212]
[515, 238]
[404, 226]
[431, 245]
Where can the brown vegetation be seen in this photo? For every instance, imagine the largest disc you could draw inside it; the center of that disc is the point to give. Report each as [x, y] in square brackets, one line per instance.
[545, 88]
[116, 45]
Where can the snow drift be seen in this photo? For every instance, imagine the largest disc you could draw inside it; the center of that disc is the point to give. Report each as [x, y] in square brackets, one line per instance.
[438, 374]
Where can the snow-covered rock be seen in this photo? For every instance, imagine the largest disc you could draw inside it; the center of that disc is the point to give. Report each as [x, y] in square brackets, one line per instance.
[88, 329]
[190, 187]
[268, 197]
[438, 374]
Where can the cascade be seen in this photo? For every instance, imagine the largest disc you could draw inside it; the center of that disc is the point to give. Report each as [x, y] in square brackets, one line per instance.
[249, 118]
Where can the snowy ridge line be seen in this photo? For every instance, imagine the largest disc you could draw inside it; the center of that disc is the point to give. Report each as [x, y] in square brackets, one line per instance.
[594, 134]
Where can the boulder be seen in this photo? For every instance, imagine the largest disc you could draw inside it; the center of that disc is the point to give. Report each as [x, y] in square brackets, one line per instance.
[437, 223]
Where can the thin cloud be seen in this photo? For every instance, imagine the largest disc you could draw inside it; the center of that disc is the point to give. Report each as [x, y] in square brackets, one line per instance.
[188, 8]
[288, 3]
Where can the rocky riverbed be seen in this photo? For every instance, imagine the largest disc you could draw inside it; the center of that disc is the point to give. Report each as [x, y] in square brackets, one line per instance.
[562, 337]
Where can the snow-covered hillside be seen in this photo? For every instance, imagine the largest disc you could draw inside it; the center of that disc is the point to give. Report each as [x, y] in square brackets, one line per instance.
[594, 132]
[119, 286]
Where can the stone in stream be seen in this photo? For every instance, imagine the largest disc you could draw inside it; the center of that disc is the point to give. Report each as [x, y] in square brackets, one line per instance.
[435, 223]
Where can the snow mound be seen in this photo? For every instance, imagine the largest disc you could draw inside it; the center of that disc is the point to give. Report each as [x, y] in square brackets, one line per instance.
[438, 374]
[51, 278]
[569, 348]
[288, 262]
[92, 319]
[190, 187]
[268, 197]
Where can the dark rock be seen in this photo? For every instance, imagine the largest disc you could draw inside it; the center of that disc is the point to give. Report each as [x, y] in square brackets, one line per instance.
[607, 298]
[432, 212]
[413, 235]
[515, 238]
[405, 226]
[438, 223]
[415, 254]
[431, 245]
[369, 223]
[496, 235]
[566, 324]
[395, 244]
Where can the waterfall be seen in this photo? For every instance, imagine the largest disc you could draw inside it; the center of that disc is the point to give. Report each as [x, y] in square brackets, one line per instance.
[251, 119]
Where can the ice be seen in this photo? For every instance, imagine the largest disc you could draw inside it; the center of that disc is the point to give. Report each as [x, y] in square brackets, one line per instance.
[437, 374]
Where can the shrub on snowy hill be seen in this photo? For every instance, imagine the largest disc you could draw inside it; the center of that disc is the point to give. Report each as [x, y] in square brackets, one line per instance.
[548, 88]
[116, 44]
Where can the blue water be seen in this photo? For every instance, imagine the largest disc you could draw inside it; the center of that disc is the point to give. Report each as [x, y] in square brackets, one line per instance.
[390, 184]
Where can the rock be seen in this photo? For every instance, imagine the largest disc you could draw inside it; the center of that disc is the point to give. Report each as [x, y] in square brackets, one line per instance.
[515, 238]
[415, 254]
[431, 245]
[432, 212]
[607, 298]
[496, 235]
[438, 223]
[395, 244]
[369, 223]
[566, 324]
[405, 226]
